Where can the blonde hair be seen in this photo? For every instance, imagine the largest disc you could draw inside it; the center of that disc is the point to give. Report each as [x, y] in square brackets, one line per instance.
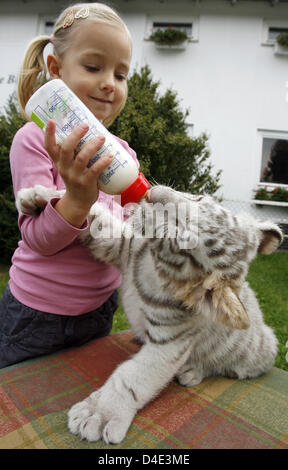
[33, 71]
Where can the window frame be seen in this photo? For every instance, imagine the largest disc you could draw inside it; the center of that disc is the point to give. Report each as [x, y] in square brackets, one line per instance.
[269, 24]
[268, 134]
[43, 20]
[171, 20]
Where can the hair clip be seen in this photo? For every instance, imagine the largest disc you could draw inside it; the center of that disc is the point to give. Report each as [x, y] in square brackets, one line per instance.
[82, 13]
[69, 19]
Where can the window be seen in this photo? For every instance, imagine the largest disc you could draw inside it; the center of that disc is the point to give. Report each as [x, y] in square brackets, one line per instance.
[46, 24]
[185, 27]
[274, 165]
[274, 32]
[48, 27]
[186, 23]
[271, 29]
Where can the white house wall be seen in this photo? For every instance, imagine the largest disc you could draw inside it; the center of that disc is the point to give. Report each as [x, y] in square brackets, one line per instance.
[230, 80]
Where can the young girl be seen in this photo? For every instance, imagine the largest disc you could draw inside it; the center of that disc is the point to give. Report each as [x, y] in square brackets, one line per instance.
[58, 295]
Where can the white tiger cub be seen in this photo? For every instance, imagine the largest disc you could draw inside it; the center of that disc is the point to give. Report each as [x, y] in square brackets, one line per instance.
[191, 307]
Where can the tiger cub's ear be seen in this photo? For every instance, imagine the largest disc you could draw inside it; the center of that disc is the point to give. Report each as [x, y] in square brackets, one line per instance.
[229, 309]
[271, 237]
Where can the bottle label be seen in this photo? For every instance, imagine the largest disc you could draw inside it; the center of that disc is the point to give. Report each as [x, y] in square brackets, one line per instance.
[106, 176]
[37, 121]
[60, 106]
[67, 114]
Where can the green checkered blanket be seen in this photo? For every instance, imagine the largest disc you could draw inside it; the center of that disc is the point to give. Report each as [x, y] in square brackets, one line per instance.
[219, 413]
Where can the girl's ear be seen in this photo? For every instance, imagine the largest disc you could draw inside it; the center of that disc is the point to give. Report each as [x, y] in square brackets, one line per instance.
[54, 66]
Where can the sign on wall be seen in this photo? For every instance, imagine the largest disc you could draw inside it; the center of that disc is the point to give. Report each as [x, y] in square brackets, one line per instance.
[9, 79]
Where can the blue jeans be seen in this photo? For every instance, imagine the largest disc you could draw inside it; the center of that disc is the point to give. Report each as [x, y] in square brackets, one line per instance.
[26, 332]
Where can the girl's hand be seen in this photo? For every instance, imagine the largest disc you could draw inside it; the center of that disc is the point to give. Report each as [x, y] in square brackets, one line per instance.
[81, 182]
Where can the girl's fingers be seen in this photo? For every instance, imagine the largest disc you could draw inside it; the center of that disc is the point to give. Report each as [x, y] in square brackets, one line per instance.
[89, 150]
[99, 166]
[50, 140]
[64, 155]
[69, 146]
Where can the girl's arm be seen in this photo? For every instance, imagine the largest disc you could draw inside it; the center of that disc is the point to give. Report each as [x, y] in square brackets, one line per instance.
[81, 182]
[31, 164]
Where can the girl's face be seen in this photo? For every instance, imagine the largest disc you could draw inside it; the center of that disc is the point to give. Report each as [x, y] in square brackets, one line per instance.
[96, 66]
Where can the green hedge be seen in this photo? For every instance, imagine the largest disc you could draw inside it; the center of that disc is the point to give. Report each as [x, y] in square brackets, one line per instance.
[156, 128]
[10, 122]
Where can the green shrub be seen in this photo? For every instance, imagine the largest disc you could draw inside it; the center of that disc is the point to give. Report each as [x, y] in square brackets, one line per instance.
[277, 194]
[282, 39]
[10, 122]
[156, 129]
[169, 36]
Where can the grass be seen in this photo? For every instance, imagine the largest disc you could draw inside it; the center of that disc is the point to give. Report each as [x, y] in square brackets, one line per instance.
[4, 277]
[120, 321]
[268, 276]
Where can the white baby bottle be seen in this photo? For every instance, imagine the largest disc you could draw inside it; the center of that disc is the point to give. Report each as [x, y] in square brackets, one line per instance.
[56, 101]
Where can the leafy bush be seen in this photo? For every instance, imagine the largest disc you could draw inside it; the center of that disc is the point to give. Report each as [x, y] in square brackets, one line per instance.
[169, 36]
[282, 39]
[277, 194]
[155, 128]
[10, 122]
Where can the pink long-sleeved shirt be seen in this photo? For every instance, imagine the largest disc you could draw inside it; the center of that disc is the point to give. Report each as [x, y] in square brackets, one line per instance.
[51, 271]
